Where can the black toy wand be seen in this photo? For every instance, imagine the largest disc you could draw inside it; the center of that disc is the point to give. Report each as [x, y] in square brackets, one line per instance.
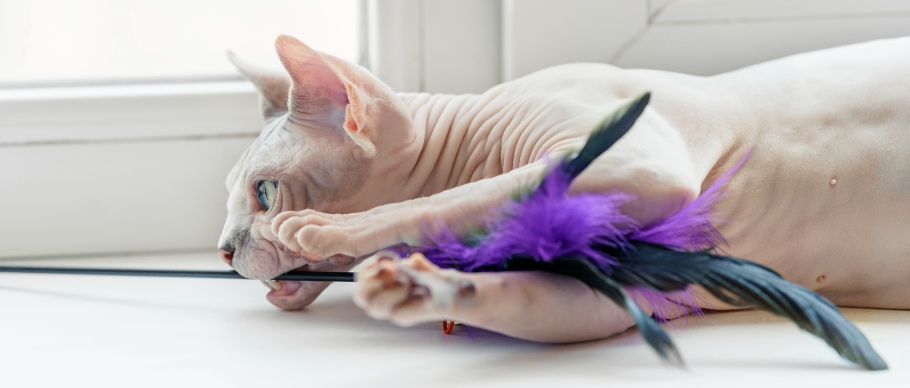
[293, 275]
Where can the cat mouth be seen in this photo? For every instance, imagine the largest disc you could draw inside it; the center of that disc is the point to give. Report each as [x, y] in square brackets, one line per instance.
[285, 287]
[295, 295]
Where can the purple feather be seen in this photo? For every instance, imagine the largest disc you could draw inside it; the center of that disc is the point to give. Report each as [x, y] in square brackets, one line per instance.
[548, 223]
[691, 228]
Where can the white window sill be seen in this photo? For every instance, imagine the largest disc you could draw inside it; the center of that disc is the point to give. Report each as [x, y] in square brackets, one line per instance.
[89, 331]
[124, 112]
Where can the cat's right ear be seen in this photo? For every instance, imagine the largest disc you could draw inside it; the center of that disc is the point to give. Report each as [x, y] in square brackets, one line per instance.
[273, 86]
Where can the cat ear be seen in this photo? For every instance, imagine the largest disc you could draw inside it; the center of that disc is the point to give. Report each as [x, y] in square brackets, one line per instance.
[324, 93]
[273, 86]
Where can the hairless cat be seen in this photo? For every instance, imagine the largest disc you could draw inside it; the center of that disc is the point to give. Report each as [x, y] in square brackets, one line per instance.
[345, 167]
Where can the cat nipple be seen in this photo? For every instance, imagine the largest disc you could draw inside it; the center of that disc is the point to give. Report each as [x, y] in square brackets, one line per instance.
[833, 182]
[820, 278]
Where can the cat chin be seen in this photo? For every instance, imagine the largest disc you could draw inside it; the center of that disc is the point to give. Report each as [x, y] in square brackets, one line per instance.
[295, 295]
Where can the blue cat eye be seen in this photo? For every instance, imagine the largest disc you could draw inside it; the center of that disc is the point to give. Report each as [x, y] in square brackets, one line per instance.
[266, 190]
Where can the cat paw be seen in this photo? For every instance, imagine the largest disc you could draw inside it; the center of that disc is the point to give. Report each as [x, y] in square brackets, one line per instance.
[317, 236]
[410, 291]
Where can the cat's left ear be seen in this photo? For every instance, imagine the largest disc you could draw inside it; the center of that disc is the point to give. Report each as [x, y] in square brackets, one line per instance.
[326, 92]
[273, 86]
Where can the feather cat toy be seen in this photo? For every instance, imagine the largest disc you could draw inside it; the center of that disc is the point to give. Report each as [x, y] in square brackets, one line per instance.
[587, 237]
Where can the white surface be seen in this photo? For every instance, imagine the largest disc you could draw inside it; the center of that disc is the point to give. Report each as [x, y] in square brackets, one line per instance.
[84, 331]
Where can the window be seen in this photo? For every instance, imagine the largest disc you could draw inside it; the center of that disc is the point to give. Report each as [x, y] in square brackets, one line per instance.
[123, 117]
[111, 41]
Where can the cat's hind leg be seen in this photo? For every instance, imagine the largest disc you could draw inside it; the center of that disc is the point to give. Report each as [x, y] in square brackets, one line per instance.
[535, 306]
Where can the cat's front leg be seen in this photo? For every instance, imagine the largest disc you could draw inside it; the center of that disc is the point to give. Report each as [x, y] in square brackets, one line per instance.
[342, 237]
[318, 236]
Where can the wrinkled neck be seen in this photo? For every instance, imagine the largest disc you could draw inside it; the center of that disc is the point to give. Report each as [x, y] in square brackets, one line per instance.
[448, 129]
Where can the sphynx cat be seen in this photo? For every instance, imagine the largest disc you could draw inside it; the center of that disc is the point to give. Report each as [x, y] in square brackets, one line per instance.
[345, 167]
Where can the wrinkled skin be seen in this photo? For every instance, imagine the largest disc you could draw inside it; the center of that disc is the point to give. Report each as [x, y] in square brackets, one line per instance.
[824, 198]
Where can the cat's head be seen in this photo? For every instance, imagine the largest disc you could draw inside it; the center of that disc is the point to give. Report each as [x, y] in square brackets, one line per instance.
[332, 139]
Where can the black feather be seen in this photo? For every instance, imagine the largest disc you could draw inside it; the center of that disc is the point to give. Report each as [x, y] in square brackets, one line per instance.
[745, 284]
[586, 272]
[606, 134]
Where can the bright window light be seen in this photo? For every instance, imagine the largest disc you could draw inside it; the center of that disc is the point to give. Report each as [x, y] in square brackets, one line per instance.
[54, 42]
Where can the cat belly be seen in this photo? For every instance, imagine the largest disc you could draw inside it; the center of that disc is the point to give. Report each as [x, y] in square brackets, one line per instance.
[832, 213]
[825, 197]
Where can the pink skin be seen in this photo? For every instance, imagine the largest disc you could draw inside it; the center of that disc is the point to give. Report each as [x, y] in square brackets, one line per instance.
[360, 168]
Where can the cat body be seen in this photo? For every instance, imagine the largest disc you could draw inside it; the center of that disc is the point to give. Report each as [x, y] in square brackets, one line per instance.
[823, 198]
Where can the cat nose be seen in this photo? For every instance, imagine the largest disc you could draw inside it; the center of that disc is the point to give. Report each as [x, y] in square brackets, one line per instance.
[226, 253]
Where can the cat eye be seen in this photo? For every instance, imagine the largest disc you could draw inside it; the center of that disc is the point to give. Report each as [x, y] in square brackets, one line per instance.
[266, 190]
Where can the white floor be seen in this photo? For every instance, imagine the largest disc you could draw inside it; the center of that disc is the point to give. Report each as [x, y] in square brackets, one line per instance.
[90, 331]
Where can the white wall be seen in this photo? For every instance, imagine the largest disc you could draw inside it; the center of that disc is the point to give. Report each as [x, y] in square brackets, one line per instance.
[707, 37]
[543, 33]
[436, 46]
[462, 42]
[119, 168]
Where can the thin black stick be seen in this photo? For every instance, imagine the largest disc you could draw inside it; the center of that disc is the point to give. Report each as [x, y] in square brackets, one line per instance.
[293, 275]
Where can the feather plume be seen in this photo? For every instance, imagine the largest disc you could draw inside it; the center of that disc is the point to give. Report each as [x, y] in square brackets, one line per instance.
[744, 284]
